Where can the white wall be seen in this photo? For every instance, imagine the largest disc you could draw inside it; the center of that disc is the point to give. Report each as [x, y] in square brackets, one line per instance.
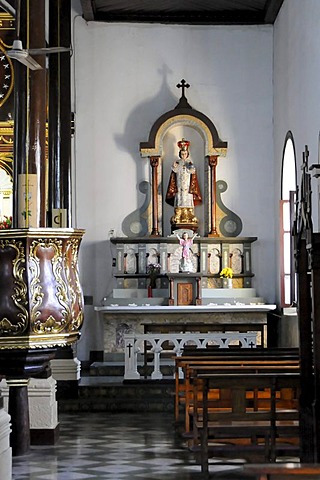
[125, 78]
[297, 87]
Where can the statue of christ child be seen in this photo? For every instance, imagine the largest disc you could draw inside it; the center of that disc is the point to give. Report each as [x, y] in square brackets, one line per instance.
[183, 190]
[186, 242]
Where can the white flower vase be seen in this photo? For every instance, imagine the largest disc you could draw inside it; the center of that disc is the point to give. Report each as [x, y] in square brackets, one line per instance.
[227, 283]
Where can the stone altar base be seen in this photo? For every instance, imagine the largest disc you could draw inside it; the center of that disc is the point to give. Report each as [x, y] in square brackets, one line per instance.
[118, 320]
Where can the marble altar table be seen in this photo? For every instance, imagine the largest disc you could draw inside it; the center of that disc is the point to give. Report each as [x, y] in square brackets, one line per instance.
[119, 320]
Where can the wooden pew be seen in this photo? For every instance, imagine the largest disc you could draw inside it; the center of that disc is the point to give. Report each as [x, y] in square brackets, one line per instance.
[220, 398]
[191, 350]
[236, 428]
[191, 353]
[287, 469]
[225, 361]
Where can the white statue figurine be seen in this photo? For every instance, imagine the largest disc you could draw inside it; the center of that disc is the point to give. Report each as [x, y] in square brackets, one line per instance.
[183, 191]
[186, 264]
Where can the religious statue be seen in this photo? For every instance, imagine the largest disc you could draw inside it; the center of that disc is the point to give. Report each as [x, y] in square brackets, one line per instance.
[183, 190]
[186, 242]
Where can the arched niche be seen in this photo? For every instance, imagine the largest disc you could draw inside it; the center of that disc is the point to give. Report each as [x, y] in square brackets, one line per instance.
[161, 149]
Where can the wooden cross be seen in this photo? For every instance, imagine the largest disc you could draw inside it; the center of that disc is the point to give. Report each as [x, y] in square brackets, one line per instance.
[183, 84]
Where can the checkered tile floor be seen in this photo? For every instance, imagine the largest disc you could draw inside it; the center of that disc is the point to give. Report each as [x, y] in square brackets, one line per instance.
[114, 447]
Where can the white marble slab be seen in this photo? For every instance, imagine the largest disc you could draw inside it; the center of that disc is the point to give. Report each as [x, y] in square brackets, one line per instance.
[185, 309]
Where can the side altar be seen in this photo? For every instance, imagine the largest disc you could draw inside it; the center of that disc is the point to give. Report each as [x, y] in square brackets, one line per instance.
[180, 263]
[196, 300]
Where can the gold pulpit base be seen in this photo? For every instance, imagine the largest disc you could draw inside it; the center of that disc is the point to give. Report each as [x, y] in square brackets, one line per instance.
[40, 293]
[41, 308]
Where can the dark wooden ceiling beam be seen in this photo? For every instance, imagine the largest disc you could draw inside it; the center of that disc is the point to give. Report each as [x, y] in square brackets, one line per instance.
[272, 10]
[88, 10]
[224, 12]
[187, 18]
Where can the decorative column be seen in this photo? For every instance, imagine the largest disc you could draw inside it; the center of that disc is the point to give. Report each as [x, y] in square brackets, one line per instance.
[19, 412]
[198, 297]
[213, 162]
[168, 262]
[209, 263]
[154, 162]
[137, 262]
[59, 191]
[171, 294]
[31, 124]
[20, 126]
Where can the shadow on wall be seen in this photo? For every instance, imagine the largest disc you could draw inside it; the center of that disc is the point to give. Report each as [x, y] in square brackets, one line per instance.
[148, 110]
[141, 119]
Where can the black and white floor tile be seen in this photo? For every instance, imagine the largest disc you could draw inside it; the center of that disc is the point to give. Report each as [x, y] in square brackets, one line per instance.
[118, 446]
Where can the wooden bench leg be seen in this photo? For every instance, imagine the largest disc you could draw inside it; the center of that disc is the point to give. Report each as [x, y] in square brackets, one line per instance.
[204, 433]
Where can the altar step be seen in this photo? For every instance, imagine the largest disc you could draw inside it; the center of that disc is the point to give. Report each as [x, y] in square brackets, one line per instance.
[112, 369]
[112, 394]
[102, 389]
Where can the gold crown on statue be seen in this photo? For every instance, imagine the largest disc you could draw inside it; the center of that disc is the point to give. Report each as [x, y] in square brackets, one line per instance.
[183, 144]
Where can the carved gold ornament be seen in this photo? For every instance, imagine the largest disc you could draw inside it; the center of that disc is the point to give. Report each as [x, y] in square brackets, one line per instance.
[50, 311]
[75, 291]
[12, 273]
